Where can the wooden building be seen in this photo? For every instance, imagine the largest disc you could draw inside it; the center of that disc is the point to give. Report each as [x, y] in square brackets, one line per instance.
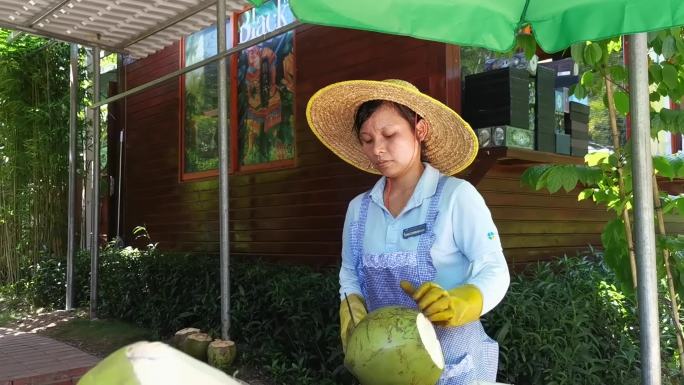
[293, 211]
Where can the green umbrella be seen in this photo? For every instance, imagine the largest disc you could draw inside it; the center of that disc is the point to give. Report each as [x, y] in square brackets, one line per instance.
[494, 24]
[556, 25]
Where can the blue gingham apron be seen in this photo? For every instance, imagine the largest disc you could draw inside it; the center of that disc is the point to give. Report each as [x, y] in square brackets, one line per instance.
[469, 353]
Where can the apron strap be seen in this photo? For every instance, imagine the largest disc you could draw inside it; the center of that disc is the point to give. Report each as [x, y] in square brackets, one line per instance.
[427, 239]
[358, 231]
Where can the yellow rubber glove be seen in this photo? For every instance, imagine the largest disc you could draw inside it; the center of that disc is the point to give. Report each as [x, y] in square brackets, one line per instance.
[347, 324]
[455, 307]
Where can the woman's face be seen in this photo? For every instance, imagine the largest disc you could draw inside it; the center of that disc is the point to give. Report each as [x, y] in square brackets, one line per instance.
[390, 143]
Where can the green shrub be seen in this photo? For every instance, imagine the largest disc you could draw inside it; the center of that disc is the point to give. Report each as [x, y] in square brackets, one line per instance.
[561, 322]
[564, 322]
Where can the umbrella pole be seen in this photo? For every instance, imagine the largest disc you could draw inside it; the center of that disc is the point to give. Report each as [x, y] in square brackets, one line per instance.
[642, 170]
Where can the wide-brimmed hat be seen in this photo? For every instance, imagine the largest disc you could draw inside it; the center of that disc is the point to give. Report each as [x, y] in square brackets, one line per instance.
[450, 144]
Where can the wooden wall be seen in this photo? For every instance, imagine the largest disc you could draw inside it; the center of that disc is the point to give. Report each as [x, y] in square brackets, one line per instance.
[296, 214]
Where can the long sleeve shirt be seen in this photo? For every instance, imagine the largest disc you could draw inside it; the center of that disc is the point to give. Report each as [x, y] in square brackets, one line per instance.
[467, 249]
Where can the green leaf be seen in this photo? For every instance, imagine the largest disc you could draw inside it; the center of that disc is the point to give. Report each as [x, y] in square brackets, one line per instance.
[577, 53]
[589, 176]
[615, 45]
[670, 76]
[669, 47]
[585, 194]
[655, 72]
[569, 178]
[672, 120]
[621, 102]
[656, 124]
[532, 176]
[587, 80]
[616, 252]
[578, 91]
[618, 73]
[652, 36]
[674, 204]
[558, 176]
[592, 54]
[528, 45]
[663, 166]
[596, 158]
[680, 205]
[677, 167]
[679, 43]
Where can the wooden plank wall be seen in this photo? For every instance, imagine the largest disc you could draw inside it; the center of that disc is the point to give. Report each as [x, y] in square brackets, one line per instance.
[296, 214]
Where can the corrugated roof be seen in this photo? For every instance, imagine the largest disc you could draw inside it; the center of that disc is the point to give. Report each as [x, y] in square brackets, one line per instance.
[136, 27]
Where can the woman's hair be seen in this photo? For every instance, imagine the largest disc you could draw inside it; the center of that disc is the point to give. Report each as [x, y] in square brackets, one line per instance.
[368, 108]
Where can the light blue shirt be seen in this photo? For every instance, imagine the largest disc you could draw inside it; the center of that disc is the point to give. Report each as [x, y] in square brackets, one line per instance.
[467, 249]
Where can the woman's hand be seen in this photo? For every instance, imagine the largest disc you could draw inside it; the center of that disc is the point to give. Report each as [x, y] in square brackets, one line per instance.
[455, 307]
[349, 320]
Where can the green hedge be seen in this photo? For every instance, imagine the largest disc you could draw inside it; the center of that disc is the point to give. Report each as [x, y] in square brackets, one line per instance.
[560, 323]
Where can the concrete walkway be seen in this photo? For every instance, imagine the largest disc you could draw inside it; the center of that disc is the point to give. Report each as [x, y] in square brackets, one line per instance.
[30, 359]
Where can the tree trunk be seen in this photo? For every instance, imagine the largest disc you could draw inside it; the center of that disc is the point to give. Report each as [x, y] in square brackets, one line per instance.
[621, 179]
[674, 306]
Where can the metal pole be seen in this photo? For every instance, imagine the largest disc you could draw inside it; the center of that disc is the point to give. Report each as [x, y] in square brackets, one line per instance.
[174, 75]
[642, 171]
[95, 201]
[122, 113]
[224, 166]
[175, 20]
[54, 35]
[71, 223]
[47, 13]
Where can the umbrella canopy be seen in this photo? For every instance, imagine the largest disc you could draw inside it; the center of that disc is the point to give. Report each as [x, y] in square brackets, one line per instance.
[494, 24]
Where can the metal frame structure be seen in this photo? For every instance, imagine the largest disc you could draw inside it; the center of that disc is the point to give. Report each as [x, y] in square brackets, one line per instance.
[136, 28]
[94, 129]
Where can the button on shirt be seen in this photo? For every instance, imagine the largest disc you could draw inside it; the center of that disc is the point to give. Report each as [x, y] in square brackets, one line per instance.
[467, 249]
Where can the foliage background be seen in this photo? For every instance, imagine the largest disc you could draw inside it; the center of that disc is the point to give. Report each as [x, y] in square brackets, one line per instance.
[34, 132]
[561, 322]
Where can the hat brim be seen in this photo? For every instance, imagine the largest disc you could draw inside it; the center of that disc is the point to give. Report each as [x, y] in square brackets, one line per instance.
[450, 144]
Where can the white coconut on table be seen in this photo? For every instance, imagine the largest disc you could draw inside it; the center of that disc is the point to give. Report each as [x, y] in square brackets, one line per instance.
[154, 363]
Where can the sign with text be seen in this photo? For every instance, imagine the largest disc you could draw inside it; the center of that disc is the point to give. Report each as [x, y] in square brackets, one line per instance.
[266, 18]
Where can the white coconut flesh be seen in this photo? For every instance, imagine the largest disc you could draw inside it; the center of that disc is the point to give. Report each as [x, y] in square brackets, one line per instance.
[429, 338]
[157, 363]
[152, 363]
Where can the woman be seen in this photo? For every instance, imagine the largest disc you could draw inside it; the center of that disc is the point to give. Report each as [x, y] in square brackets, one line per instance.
[419, 238]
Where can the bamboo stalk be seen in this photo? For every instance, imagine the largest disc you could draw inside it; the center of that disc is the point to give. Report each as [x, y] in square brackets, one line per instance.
[674, 308]
[621, 179]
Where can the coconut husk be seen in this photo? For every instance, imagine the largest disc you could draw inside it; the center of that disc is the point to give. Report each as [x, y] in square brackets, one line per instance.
[196, 345]
[221, 354]
[181, 335]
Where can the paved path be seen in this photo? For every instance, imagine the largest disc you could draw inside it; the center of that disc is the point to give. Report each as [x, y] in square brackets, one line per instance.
[30, 359]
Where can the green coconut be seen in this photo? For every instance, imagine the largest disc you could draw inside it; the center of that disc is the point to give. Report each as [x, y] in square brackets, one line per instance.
[181, 335]
[220, 354]
[153, 363]
[196, 345]
[395, 346]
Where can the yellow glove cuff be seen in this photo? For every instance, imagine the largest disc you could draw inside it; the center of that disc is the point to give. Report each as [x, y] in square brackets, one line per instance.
[349, 320]
[467, 300]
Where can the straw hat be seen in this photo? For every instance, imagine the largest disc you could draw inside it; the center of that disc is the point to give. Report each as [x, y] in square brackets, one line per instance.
[450, 144]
